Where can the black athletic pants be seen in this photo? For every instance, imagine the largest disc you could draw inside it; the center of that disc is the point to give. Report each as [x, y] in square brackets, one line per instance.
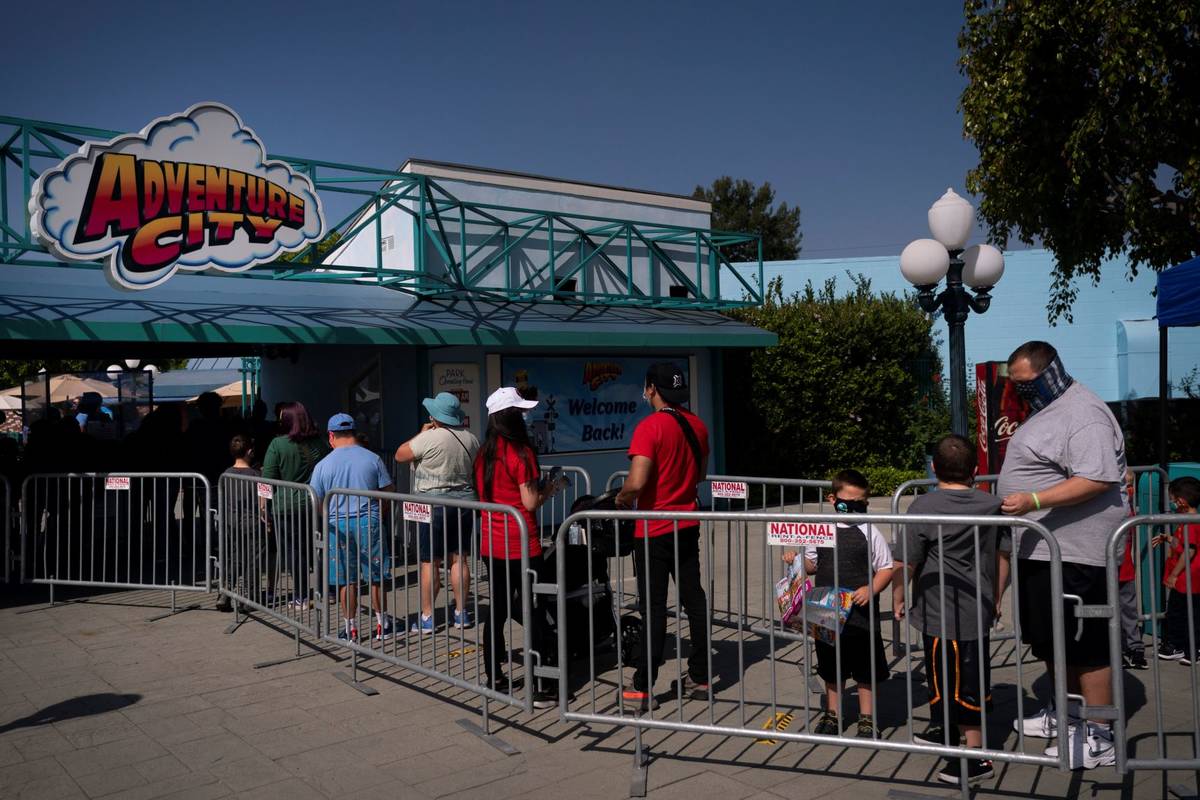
[657, 570]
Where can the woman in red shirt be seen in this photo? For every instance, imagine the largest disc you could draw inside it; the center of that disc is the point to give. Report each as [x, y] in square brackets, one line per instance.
[506, 472]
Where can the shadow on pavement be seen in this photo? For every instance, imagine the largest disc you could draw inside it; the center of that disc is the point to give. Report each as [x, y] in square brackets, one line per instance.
[82, 706]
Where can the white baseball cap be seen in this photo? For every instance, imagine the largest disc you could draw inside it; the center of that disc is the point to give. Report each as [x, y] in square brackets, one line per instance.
[507, 397]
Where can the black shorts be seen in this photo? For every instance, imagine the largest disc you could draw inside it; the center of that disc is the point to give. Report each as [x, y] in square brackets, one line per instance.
[959, 683]
[856, 657]
[1086, 647]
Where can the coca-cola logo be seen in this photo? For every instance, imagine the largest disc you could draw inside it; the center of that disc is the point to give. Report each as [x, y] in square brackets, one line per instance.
[1005, 428]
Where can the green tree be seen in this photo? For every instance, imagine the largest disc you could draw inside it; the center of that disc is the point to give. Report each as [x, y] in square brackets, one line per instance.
[321, 249]
[1087, 121]
[737, 205]
[843, 388]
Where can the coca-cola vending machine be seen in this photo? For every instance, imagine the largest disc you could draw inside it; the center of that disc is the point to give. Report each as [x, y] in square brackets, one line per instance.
[1000, 412]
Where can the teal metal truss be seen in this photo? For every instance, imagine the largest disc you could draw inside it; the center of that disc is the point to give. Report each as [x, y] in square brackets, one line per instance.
[460, 248]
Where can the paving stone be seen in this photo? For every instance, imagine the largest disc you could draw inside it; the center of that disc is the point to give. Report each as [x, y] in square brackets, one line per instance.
[59, 787]
[110, 781]
[202, 755]
[23, 772]
[161, 768]
[248, 773]
[43, 740]
[290, 789]
[101, 757]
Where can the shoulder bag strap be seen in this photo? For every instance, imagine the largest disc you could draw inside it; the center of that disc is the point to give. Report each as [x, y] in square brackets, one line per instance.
[693, 442]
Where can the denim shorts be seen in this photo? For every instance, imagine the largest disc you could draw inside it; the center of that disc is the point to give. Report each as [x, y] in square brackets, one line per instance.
[357, 546]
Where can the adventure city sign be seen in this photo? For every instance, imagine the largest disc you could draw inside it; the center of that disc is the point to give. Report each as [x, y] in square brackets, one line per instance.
[192, 191]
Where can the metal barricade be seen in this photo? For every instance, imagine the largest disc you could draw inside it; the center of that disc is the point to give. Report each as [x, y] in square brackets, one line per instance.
[754, 680]
[558, 507]
[129, 530]
[742, 590]
[1174, 693]
[375, 543]
[6, 510]
[268, 548]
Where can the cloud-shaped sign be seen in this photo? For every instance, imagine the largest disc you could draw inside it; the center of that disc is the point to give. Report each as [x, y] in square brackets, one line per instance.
[191, 191]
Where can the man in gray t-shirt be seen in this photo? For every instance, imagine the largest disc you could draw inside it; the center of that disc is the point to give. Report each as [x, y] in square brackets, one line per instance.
[1065, 467]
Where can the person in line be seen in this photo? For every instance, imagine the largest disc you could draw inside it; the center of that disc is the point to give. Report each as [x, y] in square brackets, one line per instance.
[1181, 638]
[506, 472]
[1133, 649]
[1065, 467]
[668, 457]
[356, 544]
[207, 440]
[863, 561]
[244, 522]
[952, 592]
[292, 456]
[443, 454]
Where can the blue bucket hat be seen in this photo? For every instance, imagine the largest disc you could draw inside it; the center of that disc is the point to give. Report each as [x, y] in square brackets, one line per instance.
[445, 408]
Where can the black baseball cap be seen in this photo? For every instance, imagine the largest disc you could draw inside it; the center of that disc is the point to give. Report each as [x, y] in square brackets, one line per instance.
[669, 381]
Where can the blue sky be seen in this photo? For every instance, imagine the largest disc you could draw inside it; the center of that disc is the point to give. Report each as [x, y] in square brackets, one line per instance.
[849, 110]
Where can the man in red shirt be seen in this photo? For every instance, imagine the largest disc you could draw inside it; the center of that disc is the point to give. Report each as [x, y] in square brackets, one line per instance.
[668, 457]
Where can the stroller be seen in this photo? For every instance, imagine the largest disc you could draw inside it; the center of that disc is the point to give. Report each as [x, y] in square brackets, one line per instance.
[593, 543]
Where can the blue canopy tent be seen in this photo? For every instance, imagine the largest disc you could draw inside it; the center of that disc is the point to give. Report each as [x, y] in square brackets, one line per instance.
[1178, 307]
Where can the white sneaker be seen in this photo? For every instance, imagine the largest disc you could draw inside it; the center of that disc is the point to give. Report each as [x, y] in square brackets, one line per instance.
[1044, 724]
[1095, 749]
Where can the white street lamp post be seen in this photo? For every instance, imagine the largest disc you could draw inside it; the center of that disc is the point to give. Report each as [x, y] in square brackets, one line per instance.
[925, 262]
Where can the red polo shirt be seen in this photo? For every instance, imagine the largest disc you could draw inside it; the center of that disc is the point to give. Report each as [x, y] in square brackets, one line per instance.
[671, 485]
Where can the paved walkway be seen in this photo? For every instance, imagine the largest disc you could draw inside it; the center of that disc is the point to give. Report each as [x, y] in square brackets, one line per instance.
[98, 701]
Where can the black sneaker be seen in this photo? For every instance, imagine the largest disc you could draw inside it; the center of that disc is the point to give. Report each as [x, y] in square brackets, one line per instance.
[934, 734]
[978, 769]
[866, 727]
[1134, 659]
[545, 698]
[1167, 653]
[502, 684]
[828, 725]
[224, 605]
[1187, 660]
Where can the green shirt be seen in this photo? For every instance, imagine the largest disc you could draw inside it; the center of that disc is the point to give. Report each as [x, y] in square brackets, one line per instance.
[292, 461]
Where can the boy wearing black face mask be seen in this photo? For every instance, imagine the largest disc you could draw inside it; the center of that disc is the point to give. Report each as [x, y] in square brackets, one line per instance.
[863, 563]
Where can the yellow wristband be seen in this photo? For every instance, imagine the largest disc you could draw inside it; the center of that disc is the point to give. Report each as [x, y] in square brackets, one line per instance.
[1036, 503]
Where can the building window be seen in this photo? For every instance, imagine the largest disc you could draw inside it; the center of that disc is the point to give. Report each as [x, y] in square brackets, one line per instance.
[387, 243]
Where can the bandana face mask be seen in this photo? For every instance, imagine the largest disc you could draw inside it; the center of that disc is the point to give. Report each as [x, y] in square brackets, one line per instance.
[1046, 387]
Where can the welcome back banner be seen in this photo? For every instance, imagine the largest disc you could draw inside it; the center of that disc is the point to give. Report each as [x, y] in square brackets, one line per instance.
[584, 403]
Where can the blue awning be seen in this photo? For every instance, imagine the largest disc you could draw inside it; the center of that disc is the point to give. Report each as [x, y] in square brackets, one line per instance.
[1179, 295]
